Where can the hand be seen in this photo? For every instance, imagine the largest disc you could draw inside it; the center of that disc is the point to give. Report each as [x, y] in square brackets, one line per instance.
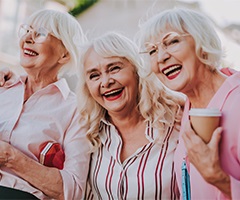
[7, 77]
[5, 149]
[205, 157]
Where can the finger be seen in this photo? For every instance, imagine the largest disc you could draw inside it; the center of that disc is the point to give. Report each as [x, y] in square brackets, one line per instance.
[10, 80]
[2, 77]
[5, 74]
[213, 144]
[188, 129]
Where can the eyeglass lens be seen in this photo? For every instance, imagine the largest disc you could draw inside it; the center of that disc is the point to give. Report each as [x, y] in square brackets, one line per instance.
[169, 43]
[38, 35]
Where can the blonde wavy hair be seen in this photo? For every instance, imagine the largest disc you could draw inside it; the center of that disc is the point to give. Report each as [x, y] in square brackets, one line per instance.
[155, 103]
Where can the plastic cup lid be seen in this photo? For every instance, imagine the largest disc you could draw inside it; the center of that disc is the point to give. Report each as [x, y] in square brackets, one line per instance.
[205, 112]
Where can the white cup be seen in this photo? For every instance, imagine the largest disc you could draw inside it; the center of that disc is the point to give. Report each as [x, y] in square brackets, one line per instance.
[204, 121]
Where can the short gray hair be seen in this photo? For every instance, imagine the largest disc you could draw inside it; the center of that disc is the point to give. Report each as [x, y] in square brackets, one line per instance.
[66, 28]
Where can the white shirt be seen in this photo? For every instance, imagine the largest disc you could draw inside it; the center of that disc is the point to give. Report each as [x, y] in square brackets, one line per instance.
[147, 174]
[50, 114]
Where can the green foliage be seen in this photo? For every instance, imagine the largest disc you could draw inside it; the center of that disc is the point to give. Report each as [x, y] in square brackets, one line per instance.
[81, 6]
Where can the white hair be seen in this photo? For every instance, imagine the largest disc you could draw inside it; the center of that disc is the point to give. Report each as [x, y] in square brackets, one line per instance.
[66, 28]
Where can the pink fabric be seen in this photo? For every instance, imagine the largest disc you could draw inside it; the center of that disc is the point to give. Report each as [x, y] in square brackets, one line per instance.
[48, 115]
[227, 99]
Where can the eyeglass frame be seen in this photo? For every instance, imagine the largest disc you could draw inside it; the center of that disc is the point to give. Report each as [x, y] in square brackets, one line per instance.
[163, 46]
[29, 29]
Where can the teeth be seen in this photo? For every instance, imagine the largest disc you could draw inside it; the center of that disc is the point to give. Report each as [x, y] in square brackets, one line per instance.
[175, 72]
[170, 69]
[30, 52]
[112, 92]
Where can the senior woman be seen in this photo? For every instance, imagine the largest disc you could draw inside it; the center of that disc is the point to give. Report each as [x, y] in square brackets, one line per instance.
[185, 53]
[133, 123]
[43, 148]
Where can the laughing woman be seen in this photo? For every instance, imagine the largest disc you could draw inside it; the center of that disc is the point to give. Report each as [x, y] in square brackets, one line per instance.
[185, 53]
[133, 123]
[39, 109]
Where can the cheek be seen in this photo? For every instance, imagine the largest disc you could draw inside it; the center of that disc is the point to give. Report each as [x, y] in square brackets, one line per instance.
[154, 65]
[20, 43]
[93, 89]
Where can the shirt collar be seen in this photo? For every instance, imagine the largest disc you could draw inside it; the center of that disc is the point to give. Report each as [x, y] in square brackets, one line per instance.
[229, 85]
[150, 132]
[61, 84]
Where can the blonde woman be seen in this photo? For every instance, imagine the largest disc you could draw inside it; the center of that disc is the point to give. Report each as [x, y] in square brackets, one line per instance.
[133, 123]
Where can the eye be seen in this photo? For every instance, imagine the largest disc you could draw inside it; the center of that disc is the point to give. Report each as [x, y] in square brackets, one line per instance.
[41, 32]
[114, 69]
[94, 76]
[171, 41]
[152, 51]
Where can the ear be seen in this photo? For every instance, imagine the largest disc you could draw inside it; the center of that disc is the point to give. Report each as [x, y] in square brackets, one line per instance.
[64, 59]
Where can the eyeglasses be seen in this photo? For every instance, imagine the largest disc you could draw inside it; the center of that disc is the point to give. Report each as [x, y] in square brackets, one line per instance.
[39, 35]
[170, 43]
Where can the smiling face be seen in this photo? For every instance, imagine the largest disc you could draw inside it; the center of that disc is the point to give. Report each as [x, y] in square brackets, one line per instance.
[174, 60]
[46, 56]
[112, 82]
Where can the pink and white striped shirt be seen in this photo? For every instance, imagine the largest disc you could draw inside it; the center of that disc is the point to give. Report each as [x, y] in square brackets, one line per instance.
[147, 174]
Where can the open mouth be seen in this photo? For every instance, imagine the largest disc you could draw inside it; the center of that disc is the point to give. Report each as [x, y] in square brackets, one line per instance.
[172, 71]
[113, 94]
[30, 52]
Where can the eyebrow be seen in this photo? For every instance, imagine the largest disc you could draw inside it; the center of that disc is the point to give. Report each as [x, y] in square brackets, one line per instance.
[108, 66]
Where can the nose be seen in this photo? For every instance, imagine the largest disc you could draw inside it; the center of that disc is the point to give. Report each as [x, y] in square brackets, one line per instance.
[162, 54]
[28, 37]
[107, 80]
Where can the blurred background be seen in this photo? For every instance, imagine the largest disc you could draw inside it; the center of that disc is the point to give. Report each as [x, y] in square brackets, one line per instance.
[99, 16]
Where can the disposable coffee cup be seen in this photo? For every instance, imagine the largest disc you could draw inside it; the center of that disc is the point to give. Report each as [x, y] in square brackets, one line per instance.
[204, 121]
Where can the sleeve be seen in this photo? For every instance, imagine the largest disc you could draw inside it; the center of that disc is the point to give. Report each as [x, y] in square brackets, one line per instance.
[235, 183]
[235, 188]
[77, 156]
[234, 127]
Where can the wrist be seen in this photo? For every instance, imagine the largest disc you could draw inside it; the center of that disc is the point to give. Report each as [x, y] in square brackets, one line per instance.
[11, 157]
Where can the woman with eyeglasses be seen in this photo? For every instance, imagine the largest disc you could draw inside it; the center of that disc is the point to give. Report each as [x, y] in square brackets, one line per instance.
[133, 123]
[184, 51]
[43, 147]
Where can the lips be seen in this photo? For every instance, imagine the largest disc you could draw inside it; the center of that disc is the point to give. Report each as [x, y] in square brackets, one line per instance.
[113, 94]
[172, 71]
[30, 52]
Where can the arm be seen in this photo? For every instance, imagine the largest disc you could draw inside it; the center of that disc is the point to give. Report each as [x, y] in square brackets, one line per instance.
[76, 166]
[205, 158]
[46, 179]
[69, 182]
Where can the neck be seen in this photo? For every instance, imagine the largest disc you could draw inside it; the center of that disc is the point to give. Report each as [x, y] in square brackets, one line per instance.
[127, 122]
[33, 84]
[205, 88]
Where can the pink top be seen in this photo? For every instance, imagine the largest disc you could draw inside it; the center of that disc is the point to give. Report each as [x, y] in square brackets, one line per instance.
[147, 174]
[227, 99]
[48, 115]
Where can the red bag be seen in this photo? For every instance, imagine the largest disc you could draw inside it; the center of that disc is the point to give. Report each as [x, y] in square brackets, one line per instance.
[52, 155]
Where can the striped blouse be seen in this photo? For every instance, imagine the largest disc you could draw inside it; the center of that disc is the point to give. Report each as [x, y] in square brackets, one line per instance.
[147, 174]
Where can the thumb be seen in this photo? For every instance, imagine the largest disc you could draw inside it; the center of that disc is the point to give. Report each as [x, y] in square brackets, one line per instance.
[215, 138]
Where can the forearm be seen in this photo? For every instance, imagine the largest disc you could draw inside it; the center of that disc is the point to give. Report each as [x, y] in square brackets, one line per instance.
[222, 182]
[218, 178]
[46, 179]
